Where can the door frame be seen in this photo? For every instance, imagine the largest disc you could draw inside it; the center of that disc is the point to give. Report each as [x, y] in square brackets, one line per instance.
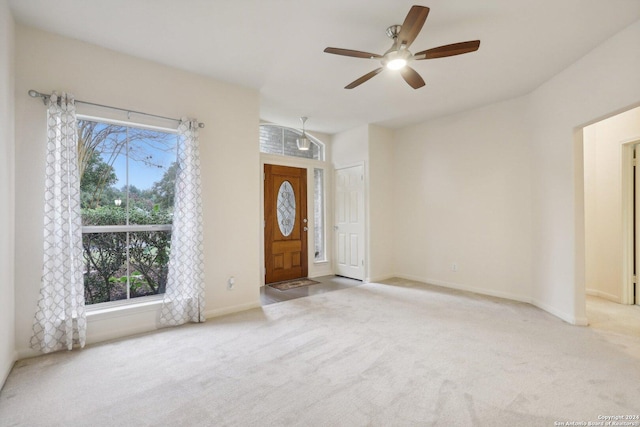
[628, 220]
[299, 234]
[315, 269]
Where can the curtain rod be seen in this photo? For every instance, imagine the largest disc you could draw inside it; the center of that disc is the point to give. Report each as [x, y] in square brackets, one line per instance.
[45, 97]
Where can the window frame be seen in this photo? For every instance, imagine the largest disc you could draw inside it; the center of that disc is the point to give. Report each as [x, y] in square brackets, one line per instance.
[314, 140]
[127, 228]
[323, 198]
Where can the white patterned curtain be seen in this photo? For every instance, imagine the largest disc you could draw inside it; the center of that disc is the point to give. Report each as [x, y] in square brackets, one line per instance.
[60, 320]
[184, 296]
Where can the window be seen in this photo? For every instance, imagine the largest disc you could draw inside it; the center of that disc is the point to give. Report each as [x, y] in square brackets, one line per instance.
[127, 191]
[318, 214]
[282, 141]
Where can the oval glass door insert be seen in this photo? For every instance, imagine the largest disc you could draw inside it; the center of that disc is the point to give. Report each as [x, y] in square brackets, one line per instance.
[286, 210]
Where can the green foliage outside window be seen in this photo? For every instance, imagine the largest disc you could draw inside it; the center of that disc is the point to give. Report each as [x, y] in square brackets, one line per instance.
[130, 263]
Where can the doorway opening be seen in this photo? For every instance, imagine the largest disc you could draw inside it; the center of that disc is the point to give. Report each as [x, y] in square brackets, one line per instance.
[612, 208]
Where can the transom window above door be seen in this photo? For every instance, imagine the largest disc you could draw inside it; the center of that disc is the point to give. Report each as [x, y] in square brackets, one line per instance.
[281, 140]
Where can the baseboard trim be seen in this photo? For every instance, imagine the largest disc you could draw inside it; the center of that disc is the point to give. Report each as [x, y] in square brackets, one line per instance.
[481, 291]
[7, 370]
[145, 327]
[605, 295]
[217, 312]
[381, 278]
[578, 321]
[25, 353]
[121, 333]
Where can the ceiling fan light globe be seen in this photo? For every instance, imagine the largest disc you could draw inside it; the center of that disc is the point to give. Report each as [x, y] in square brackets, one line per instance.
[396, 64]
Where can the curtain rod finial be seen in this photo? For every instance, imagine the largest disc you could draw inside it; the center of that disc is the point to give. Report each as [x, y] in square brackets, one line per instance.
[36, 94]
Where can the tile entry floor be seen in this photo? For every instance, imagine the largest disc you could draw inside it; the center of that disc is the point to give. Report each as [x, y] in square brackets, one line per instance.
[269, 295]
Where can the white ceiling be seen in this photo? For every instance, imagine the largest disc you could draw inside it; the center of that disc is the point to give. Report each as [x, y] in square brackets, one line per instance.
[276, 47]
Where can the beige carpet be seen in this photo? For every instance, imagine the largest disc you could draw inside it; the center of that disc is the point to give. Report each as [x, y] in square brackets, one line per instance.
[399, 354]
[291, 284]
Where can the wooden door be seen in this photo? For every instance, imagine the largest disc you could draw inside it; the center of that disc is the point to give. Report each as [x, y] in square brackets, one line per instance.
[285, 227]
[349, 222]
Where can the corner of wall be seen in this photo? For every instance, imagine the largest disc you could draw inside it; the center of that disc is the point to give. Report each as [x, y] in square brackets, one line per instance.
[567, 317]
[7, 193]
[559, 106]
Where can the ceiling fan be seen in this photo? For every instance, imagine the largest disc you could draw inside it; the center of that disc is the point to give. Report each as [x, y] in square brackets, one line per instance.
[398, 56]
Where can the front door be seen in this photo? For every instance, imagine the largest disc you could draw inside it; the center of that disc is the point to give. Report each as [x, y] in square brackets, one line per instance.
[285, 226]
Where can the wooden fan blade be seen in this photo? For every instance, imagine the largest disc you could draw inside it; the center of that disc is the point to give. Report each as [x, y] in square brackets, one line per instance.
[412, 77]
[449, 50]
[412, 25]
[364, 78]
[353, 53]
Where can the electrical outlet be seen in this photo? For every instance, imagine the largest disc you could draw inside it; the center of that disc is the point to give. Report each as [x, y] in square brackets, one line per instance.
[231, 283]
[454, 267]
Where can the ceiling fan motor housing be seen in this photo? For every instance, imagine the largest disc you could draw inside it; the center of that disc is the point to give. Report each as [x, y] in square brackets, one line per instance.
[393, 31]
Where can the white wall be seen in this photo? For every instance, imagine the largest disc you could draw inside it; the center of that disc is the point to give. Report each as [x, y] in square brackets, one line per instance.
[499, 190]
[462, 195]
[350, 147]
[601, 83]
[603, 202]
[381, 208]
[229, 155]
[7, 194]
[371, 146]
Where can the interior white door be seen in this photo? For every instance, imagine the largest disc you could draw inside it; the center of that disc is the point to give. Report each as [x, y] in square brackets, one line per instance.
[349, 222]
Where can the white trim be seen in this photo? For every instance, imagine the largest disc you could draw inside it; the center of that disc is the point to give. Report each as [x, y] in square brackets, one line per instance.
[297, 162]
[324, 216]
[605, 295]
[475, 290]
[138, 327]
[112, 309]
[324, 269]
[627, 147]
[578, 321]
[123, 123]
[217, 312]
[571, 319]
[122, 333]
[125, 228]
[350, 165]
[25, 353]
[5, 374]
[379, 279]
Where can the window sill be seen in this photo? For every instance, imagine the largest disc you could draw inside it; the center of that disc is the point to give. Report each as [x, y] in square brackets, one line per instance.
[118, 310]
